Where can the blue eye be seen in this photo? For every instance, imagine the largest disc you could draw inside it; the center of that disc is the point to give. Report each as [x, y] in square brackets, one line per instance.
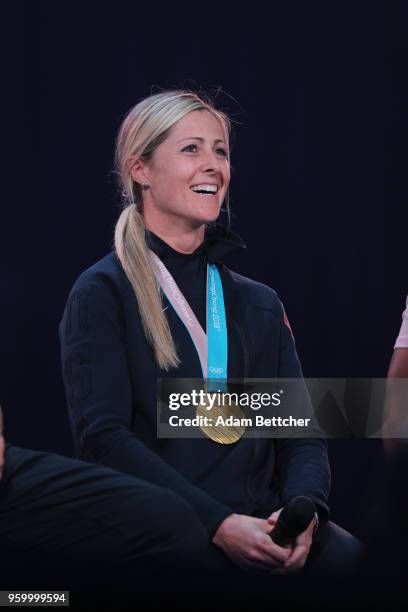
[224, 152]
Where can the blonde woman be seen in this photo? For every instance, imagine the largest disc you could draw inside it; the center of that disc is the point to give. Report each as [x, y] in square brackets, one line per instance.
[121, 330]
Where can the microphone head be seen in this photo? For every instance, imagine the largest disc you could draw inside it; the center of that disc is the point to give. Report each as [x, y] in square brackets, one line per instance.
[298, 514]
[293, 520]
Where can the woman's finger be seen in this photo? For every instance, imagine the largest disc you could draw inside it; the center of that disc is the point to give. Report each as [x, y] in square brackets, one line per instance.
[297, 558]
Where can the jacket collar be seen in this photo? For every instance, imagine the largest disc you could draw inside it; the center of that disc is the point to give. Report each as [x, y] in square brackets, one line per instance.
[218, 242]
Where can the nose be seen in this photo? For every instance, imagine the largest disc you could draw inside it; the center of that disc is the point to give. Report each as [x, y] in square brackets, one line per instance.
[210, 162]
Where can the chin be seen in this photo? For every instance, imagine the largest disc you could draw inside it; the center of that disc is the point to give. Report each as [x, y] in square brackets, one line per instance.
[207, 219]
[209, 215]
[200, 215]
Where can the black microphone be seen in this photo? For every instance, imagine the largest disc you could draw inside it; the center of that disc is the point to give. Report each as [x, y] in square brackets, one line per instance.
[293, 520]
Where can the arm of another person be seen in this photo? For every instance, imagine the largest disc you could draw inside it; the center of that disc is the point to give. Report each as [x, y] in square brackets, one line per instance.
[2, 445]
[100, 402]
[395, 428]
[399, 362]
[396, 402]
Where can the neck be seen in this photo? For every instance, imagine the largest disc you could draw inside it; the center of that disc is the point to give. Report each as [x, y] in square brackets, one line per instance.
[181, 238]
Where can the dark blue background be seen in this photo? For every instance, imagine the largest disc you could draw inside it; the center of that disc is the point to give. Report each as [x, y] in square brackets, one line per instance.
[317, 92]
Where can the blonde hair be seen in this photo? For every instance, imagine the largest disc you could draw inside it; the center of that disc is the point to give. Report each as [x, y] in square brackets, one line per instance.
[143, 129]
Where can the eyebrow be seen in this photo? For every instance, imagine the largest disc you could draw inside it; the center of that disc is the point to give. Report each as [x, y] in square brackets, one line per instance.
[200, 139]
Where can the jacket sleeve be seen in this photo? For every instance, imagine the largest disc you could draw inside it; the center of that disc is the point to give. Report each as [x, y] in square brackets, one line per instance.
[100, 402]
[302, 464]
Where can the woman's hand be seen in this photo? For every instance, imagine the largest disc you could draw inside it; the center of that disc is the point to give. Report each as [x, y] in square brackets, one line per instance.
[273, 519]
[301, 548]
[245, 540]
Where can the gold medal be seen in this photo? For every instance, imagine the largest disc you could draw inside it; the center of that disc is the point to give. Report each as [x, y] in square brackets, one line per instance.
[224, 424]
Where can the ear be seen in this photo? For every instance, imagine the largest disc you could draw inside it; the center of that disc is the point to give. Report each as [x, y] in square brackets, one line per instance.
[138, 170]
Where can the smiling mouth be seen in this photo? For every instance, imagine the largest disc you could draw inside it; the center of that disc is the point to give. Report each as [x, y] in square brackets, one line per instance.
[205, 193]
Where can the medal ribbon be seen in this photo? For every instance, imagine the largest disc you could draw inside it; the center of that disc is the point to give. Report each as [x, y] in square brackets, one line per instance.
[212, 348]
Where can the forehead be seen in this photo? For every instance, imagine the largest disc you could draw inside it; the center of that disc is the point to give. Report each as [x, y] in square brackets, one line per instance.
[200, 123]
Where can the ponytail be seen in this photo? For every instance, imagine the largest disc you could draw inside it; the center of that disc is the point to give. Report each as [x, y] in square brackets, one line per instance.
[132, 252]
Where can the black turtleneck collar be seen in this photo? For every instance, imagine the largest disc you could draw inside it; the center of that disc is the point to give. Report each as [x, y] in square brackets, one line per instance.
[218, 242]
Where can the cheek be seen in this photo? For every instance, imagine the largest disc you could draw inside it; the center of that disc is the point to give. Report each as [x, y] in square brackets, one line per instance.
[185, 177]
[176, 177]
[227, 178]
[164, 183]
[171, 190]
[227, 172]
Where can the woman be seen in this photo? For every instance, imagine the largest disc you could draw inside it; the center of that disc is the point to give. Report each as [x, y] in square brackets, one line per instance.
[119, 333]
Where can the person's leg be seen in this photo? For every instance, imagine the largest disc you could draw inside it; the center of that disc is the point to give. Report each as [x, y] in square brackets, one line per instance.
[95, 523]
[334, 551]
[335, 555]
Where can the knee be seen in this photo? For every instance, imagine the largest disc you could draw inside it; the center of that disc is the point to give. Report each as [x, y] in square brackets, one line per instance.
[182, 522]
[350, 551]
[335, 550]
[174, 527]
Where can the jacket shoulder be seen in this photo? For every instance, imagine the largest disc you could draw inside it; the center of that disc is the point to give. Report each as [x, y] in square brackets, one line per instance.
[255, 293]
[106, 271]
[106, 281]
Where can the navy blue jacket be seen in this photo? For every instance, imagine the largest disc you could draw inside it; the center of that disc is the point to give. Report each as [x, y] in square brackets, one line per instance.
[110, 376]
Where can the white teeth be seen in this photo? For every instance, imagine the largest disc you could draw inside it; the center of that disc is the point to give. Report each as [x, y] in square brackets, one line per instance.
[207, 188]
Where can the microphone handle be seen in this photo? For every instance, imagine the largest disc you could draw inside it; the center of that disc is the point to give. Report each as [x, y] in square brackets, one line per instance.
[280, 539]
